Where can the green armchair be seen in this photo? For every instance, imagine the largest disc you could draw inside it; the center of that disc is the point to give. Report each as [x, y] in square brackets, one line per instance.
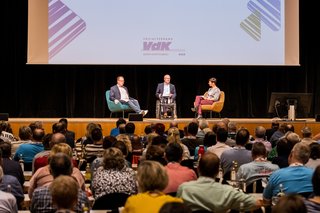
[114, 108]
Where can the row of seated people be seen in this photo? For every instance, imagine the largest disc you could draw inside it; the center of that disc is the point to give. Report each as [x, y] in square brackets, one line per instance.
[146, 190]
[174, 136]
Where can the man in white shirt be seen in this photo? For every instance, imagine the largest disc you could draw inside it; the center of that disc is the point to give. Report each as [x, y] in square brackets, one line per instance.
[119, 93]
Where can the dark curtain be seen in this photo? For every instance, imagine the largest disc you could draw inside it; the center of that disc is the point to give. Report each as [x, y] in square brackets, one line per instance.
[79, 90]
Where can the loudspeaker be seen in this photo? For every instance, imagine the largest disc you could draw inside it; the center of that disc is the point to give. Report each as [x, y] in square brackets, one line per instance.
[135, 117]
[318, 118]
[4, 116]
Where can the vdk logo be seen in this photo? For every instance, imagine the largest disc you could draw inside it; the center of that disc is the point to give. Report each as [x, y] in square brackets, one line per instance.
[156, 46]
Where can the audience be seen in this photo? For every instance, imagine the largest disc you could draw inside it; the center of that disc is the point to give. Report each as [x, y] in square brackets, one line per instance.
[207, 194]
[152, 180]
[115, 131]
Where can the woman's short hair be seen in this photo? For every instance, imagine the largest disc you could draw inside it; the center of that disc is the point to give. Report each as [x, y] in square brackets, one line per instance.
[113, 159]
[152, 176]
[64, 191]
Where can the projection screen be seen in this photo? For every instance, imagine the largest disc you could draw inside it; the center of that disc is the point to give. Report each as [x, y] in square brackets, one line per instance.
[169, 32]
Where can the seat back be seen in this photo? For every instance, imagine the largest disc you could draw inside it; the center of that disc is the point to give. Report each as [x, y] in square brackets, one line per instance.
[110, 201]
[216, 106]
[116, 107]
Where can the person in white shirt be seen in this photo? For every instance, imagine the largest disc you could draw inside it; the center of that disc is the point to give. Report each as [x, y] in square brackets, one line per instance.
[119, 93]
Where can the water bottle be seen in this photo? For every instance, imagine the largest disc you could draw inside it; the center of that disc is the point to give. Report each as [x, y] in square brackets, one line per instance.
[280, 194]
[21, 162]
[233, 174]
[201, 151]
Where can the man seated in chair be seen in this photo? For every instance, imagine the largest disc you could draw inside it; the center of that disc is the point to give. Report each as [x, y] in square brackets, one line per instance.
[208, 98]
[119, 93]
[166, 94]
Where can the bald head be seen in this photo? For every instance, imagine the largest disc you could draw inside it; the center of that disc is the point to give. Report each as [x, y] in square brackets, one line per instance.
[209, 165]
[260, 132]
[57, 138]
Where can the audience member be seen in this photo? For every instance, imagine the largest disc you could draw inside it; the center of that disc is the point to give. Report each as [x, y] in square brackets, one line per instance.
[64, 191]
[177, 174]
[237, 153]
[174, 137]
[190, 140]
[283, 151]
[209, 140]
[41, 159]
[260, 136]
[70, 135]
[27, 151]
[273, 129]
[44, 177]
[10, 167]
[115, 131]
[295, 179]
[25, 136]
[314, 159]
[175, 207]
[313, 202]
[291, 203]
[8, 203]
[152, 180]
[60, 164]
[115, 176]
[220, 146]
[307, 135]
[11, 184]
[207, 194]
[259, 165]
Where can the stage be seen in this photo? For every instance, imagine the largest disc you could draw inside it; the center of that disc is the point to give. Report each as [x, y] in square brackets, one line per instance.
[78, 125]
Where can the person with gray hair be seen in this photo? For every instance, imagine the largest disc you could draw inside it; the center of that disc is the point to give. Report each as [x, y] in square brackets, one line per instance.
[8, 203]
[260, 136]
[295, 179]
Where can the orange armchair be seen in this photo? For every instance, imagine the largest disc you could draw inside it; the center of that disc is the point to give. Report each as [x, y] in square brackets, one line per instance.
[216, 107]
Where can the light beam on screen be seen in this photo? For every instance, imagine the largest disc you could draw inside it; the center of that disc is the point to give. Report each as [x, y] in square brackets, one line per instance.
[64, 26]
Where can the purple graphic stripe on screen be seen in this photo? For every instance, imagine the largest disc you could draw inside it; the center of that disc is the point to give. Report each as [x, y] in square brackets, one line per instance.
[64, 26]
[269, 16]
[272, 10]
[68, 39]
[56, 12]
[57, 27]
[65, 33]
[275, 3]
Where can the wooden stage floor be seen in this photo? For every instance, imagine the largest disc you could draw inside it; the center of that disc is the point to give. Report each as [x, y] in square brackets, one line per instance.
[78, 125]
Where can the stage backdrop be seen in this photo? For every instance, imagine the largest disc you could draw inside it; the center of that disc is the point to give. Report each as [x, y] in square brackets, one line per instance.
[78, 90]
